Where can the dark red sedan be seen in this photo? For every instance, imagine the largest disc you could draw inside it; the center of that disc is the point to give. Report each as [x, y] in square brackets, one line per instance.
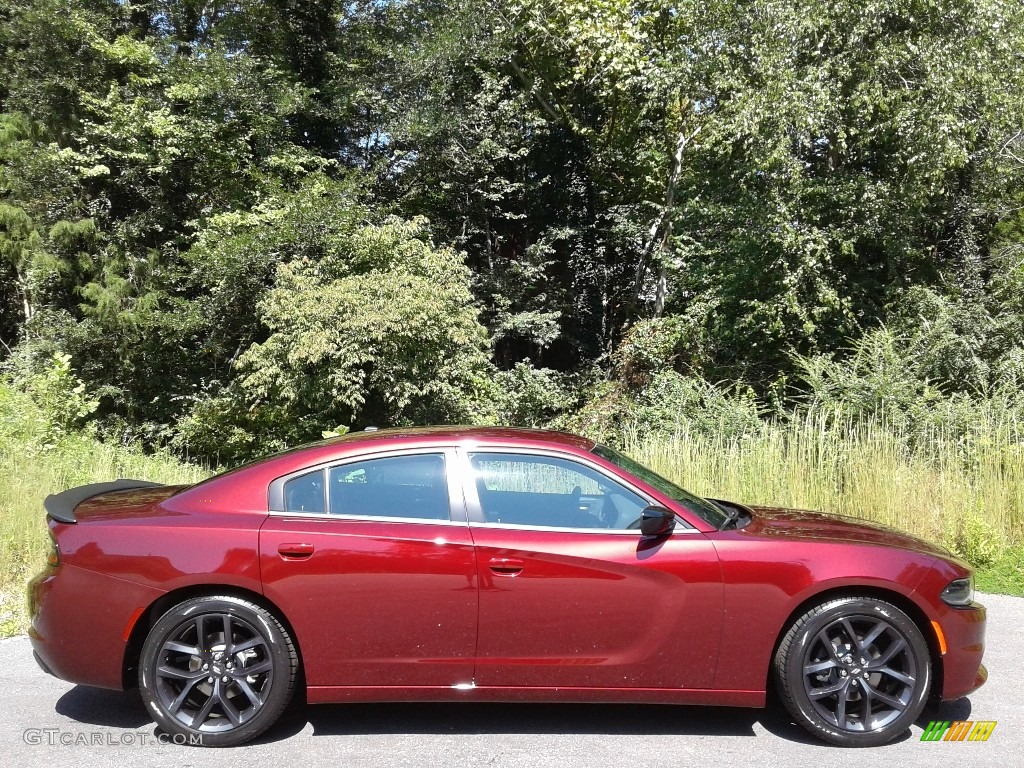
[465, 564]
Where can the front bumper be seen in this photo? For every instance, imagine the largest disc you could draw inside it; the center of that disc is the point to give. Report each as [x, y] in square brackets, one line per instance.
[964, 632]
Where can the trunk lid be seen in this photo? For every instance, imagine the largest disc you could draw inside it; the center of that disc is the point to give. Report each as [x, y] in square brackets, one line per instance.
[97, 501]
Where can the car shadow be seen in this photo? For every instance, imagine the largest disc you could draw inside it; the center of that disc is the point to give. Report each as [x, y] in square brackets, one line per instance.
[97, 706]
[126, 710]
[495, 718]
[958, 709]
[540, 719]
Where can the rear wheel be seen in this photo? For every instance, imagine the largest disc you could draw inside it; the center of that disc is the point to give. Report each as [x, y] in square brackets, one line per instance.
[855, 671]
[217, 671]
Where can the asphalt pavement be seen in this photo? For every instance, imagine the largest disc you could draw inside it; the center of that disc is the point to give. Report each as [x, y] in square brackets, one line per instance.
[47, 722]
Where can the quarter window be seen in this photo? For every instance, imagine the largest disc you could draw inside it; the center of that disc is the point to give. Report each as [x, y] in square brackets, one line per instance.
[520, 489]
[305, 493]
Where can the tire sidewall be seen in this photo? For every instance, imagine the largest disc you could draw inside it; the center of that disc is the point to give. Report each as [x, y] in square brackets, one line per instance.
[277, 643]
[850, 607]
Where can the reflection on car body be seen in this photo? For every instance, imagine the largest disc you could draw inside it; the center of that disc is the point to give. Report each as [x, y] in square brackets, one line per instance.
[491, 564]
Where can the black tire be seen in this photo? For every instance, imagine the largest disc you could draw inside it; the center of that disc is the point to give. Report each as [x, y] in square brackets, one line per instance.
[854, 671]
[217, 671]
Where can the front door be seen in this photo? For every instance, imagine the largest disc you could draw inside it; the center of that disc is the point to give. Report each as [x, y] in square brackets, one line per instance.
[571, 594]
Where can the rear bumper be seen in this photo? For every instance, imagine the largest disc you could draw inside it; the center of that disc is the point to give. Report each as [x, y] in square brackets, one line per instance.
[42, 664]
[81, 621]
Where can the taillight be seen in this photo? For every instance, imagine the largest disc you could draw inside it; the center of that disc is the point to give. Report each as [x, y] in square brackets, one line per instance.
[53, 555]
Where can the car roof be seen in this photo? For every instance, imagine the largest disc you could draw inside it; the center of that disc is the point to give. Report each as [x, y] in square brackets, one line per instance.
[407, 437]
[265, 468]
[444, 434]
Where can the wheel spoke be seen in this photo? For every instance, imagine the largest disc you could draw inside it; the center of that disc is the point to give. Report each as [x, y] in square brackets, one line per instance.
[828, 690]
[848, 628]
[259, 668]
[178, 647]
[897, 646]
[884, 697]
[227, 633]
[200, 634]
[180, 674]
[905, 679]
[873, 635]
[820, 666]
[865, 717]
[825, 640]
[204, 712]
[841, 705]
[249, 692]
[175, 705]
[226, 705]
[253, 642]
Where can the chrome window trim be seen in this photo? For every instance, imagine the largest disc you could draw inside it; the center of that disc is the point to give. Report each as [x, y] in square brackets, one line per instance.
[635, 532]
[475, 513]
[456, 499]
[278, 491]
[365, 518]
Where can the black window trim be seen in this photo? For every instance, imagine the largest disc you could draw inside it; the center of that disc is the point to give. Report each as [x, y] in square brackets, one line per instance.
[475, 513]
[456, 501]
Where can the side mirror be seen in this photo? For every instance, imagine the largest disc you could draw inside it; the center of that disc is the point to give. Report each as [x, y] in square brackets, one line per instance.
[657, 521]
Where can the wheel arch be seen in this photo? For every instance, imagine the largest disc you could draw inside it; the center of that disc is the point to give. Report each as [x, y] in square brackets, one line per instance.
[901, 601]
[152, 613]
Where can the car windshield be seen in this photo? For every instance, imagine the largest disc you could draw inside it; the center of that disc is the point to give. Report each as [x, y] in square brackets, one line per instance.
[709, 511]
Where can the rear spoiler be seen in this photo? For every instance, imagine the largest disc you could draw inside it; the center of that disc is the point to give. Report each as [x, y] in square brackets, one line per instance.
[61, 506]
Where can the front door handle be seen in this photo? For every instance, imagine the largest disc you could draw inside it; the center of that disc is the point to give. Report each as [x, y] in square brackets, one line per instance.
[505, 566]
[295, 551]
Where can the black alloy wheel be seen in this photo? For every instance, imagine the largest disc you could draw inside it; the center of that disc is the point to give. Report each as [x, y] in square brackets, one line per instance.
[217, 671]
[854, 671]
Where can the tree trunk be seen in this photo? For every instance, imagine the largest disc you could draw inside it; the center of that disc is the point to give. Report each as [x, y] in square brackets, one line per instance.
[661, 227]
[26, 302]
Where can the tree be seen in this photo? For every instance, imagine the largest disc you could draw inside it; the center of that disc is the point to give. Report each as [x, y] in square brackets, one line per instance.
[364, 323]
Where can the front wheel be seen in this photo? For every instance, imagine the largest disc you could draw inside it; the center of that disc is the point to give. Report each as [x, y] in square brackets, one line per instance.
[855, 671]
[217, 671]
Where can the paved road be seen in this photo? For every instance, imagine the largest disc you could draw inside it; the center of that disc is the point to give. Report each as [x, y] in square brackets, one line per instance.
[104, 728]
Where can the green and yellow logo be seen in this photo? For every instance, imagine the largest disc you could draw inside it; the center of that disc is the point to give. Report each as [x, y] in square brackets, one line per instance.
[958, 730]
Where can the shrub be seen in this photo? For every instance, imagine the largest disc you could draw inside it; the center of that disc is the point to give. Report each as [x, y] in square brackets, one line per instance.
[52, 401]
[969, 536]
[530, 397]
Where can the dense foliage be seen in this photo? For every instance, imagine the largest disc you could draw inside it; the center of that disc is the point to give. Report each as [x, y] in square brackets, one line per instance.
[239, 225]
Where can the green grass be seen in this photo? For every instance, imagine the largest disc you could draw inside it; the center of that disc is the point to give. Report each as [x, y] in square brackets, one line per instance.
[965, 492]
[1004, 575]
[29, 472]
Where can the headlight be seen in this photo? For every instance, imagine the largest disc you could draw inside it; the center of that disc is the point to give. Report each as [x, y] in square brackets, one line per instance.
[959, 592]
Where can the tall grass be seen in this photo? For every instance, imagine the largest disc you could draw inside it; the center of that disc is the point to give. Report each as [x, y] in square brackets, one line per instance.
[963, 490]
[29, 471]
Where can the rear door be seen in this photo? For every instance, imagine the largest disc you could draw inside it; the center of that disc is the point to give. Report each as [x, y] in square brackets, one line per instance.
[571, 594]
[372, 562]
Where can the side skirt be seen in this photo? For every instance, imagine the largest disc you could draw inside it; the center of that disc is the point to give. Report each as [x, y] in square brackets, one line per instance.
[335, 694]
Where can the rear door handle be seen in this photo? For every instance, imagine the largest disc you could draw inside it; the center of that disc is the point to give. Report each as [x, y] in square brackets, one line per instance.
[505, 566]
[295, 551]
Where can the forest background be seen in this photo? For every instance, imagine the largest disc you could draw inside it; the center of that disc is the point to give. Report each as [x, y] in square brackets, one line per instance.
[773, 248]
